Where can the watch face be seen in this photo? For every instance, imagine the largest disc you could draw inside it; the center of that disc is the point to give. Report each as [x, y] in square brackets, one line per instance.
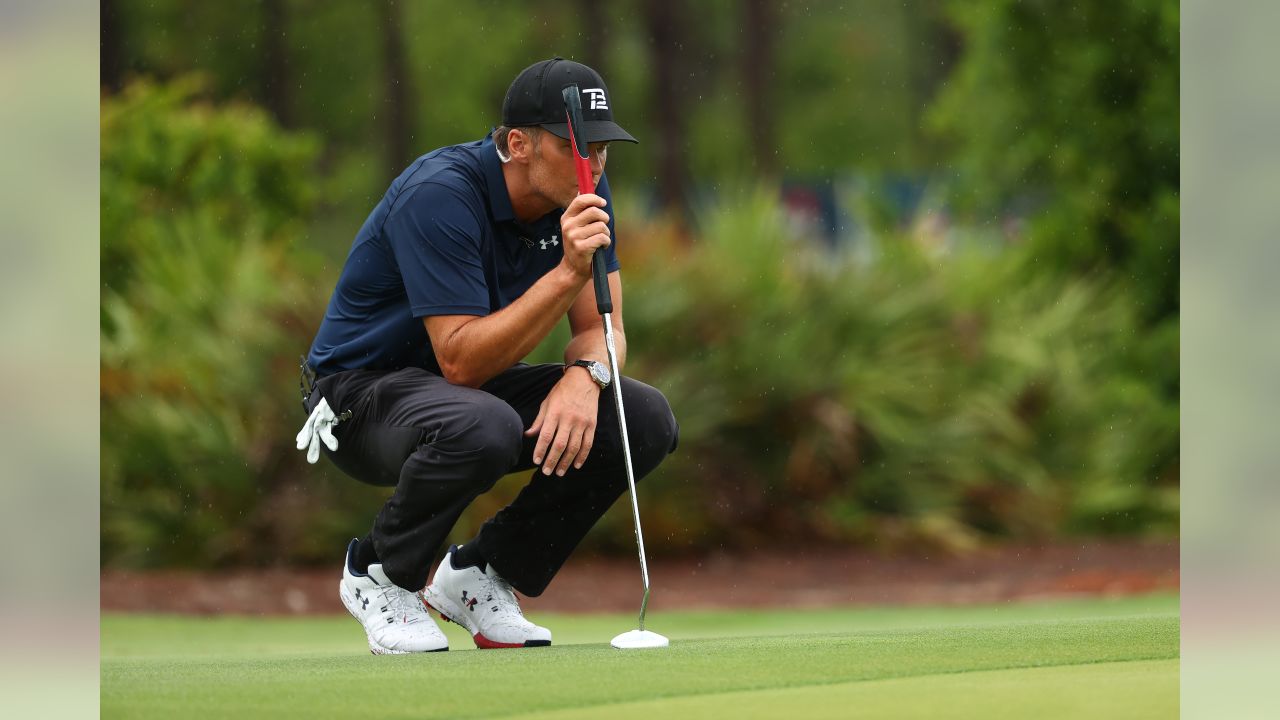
[599, 373]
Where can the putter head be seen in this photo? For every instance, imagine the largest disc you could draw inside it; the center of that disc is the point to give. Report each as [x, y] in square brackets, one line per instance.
[635, 639]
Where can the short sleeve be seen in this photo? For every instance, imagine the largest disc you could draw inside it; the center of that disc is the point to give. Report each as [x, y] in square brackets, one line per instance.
[436, 237]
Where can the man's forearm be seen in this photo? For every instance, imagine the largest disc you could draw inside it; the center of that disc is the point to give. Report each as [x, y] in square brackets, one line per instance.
[484, 347]
[589, 345]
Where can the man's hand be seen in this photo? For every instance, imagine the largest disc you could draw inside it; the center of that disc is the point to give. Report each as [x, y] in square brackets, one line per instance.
[566, 423]
[318, 427]
[585, 227]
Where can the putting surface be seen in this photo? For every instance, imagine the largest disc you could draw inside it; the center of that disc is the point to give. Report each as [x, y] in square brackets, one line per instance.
[1099, 658]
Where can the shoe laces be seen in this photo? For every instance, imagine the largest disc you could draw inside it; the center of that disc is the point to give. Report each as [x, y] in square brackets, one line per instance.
[403, 603]
[502, 589]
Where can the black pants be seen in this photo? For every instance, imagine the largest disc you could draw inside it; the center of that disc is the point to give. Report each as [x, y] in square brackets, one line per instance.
[441, 446]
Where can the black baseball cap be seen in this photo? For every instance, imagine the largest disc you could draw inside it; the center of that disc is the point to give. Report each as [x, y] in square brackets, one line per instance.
[535, 98]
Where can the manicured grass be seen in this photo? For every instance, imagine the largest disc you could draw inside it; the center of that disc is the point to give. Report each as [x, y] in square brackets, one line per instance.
[1111, 658]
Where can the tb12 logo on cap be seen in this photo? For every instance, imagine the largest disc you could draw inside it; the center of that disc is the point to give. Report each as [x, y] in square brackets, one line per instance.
[597, 98]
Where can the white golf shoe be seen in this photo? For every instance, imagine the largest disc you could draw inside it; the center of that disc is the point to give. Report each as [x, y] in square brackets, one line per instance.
[484, 604]
[394, 619]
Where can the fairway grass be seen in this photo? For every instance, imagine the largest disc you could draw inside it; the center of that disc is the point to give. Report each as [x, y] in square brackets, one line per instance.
[1095, 659]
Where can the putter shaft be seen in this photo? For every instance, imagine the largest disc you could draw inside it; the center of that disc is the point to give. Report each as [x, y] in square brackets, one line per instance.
[626, 455]
[604, 304]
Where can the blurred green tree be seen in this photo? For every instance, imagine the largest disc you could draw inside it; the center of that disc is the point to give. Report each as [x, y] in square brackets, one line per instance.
[1072, 110]
[1066, 114]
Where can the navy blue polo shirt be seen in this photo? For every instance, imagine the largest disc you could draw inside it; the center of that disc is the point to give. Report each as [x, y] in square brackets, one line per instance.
[443, 241]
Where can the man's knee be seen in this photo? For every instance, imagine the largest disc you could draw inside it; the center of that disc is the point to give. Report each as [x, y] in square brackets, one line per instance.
[650, 423]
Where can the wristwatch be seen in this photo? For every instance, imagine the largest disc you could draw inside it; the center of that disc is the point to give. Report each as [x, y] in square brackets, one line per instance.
[599, 372]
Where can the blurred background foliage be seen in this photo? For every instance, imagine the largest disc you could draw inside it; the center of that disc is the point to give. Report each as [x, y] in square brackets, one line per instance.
[907, 272]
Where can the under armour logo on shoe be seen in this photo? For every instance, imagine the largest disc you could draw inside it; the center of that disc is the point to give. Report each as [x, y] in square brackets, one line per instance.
[364, 604]
[469, 604]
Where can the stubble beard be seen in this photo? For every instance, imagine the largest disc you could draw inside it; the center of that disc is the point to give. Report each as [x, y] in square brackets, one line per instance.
[546, 184]
[551, 188]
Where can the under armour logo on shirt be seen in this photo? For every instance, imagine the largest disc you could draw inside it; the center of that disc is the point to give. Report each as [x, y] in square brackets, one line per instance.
[597, 98]
[550, 243]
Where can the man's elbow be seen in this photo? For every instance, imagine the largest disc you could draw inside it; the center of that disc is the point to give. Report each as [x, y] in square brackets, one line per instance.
[461, 374]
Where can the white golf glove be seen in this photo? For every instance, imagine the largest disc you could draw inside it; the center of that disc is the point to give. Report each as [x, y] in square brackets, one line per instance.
[319, 427]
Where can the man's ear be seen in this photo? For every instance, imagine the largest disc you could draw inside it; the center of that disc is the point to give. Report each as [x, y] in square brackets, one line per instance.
[520, 144]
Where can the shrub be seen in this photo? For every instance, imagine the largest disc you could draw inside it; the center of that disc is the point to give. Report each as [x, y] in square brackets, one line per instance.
[204, 300]
[917, 399]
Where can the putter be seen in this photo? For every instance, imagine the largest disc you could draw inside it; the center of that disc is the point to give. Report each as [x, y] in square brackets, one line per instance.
[638, 638]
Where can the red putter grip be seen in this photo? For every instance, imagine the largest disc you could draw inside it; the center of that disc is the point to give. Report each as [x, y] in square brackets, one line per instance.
[580, 163]
[573, 114]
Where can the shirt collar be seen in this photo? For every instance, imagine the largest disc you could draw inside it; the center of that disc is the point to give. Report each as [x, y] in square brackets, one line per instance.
[499, 200]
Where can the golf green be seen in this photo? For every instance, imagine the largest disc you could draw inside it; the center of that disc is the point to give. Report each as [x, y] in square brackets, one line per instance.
[1099, 658]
